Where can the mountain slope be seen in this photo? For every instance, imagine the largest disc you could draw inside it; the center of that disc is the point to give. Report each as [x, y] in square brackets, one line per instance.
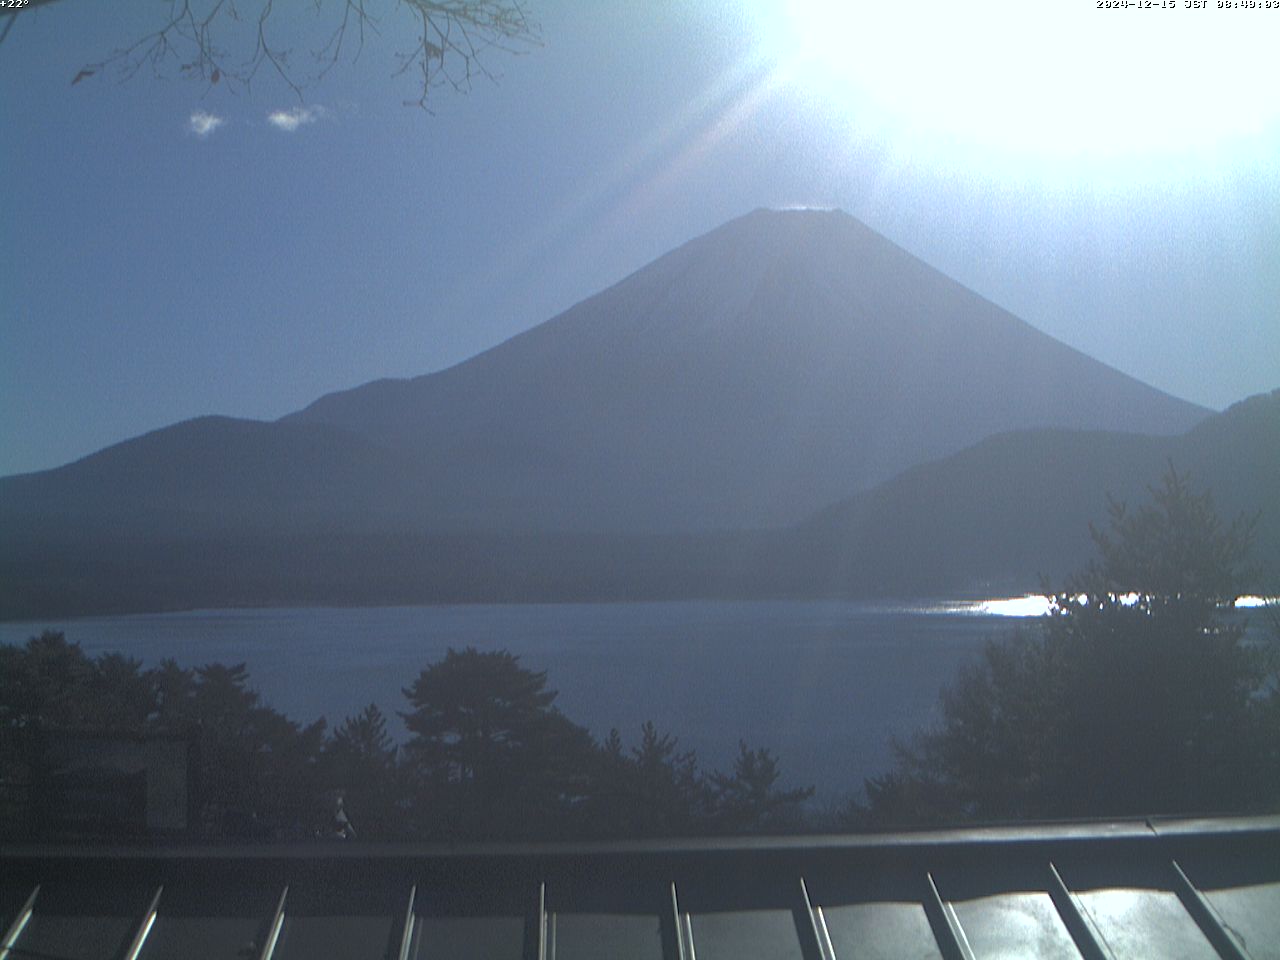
[745, 380]
[770, 367]
[742, 382]
[985, 521]
[992, 518]
[214, 475]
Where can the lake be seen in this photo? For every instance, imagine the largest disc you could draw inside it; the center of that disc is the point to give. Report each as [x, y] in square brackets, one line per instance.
[823, 684]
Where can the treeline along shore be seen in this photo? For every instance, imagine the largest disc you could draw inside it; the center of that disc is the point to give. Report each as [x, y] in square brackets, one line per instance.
[1140, 692]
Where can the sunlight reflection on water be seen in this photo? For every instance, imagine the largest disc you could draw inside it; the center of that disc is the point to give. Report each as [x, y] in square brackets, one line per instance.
[1030, 605]
[1037, 605]
[826, 685]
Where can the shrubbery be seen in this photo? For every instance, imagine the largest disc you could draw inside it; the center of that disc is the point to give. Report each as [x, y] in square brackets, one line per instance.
[1136, 695]
[489, 756]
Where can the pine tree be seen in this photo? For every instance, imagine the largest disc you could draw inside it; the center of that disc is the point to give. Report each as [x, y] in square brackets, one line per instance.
[1139, 693]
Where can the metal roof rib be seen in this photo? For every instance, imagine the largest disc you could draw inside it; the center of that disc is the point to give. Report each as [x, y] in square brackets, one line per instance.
[19, 924]
[1088, 940]
[1206, 916]
[406, 935]
[1094, 891]
[946, 925]
[277, 924]
[144, 926]
[818, 924]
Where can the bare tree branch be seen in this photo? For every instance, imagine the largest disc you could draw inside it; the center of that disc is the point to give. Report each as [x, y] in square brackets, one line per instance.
[198, 39]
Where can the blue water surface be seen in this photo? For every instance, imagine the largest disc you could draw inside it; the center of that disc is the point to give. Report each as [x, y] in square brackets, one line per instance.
[824, 684]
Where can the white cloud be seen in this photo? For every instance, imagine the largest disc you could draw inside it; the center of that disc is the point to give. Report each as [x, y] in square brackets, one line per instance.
[291, 120]
[202, 124]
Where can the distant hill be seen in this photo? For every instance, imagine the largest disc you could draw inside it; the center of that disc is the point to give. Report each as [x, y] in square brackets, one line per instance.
[993, 517]
[214, 475]
[742, 382]
[989, 520]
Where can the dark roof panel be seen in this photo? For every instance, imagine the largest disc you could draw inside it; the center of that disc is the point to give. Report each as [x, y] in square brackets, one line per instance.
[1201, 889]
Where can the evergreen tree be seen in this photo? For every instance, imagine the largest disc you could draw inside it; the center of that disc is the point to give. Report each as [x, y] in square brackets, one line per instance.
[1138, 695]
[359, 763]
[490, 757]
[256, 768]
[749, 801]
[489, 753]
[652, 790]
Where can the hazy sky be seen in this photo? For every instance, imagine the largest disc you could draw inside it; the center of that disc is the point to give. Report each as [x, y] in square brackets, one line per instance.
[176, 249]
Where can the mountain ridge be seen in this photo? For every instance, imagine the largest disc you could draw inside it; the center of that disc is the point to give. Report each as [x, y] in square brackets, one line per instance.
[1017, 506]
[991, 520]
[755, 365]
[750, 378]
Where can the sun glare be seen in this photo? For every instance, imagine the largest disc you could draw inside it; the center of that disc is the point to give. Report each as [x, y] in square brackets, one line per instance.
[1061, 78]
[1031, 605]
